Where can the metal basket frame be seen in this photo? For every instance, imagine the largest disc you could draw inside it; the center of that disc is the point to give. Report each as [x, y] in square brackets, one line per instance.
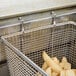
[20, 54]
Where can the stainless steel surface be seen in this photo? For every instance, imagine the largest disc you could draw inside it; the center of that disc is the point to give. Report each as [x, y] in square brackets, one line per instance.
[4, 70]
[34, 41]
[12, 8]
[14, 20]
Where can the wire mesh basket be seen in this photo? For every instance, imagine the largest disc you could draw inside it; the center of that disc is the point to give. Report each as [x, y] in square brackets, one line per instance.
[24, 49]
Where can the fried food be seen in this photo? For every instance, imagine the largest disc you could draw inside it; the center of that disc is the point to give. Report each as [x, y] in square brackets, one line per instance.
[63, 73]
[65, 64]
[53, 67]
[51, 63]
[48, 71]
[55, 74]
[56, 60]
[44, 66]
[70, 73]
[74, 71]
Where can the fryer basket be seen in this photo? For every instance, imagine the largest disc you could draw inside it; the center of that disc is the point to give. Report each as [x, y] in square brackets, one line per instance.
[24, 49]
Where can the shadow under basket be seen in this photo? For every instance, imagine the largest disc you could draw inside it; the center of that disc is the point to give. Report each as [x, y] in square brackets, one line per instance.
[24, 49]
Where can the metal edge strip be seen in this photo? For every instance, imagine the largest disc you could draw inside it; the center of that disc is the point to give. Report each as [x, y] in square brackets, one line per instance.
[39, 28]
[36, 11]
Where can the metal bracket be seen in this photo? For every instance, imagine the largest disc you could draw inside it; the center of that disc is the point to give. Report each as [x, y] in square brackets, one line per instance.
[21, 24]
[53, 14]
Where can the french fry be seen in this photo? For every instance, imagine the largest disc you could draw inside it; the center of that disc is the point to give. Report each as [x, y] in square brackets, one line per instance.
[38, 74]
[74, 71]
[55, 60]
[64, 59]
[48, 71]
[54, 74]
[64, 64]
[70, 73]
[51, 63]
[53, 67]
[63, 73]
[44, 66]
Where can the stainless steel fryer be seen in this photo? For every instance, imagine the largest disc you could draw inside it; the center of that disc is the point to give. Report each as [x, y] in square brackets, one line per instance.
[24, 49]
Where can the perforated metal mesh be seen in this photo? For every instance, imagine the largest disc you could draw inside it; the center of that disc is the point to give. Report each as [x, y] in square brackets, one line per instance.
[6, 31]
[57, 41]
[17, 66]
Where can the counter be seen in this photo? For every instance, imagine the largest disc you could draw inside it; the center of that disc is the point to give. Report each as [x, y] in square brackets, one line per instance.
[18, 7]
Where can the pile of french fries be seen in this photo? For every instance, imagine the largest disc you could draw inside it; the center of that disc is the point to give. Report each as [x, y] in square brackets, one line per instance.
[53, 67]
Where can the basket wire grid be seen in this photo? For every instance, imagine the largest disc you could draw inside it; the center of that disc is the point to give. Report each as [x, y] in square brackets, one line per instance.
[24, 49]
